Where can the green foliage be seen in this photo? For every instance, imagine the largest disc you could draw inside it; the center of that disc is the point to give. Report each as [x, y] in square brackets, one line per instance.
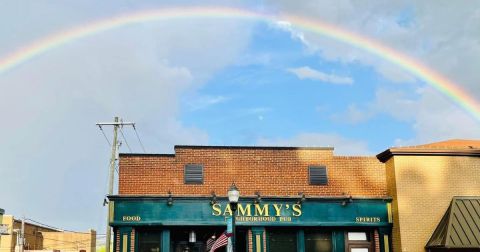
[101, 248]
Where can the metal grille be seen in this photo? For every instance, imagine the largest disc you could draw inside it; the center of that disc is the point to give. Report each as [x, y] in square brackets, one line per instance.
[318, 175]
[193, 174]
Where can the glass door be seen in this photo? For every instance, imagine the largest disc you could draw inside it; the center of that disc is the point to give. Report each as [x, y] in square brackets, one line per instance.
[359, 241]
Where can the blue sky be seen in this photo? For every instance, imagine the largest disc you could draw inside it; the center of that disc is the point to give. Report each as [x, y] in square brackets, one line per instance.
[218, 82]
[258, 97]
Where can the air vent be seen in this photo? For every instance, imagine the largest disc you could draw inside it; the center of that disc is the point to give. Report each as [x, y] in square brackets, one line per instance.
[318, 175]
[193, 174]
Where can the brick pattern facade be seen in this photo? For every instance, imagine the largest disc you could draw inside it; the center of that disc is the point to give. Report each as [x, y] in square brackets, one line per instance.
[271, 171]
[250, 240]
[376, 240]
[117, 242]
[132, 240]
[392, 191]
[423, 189]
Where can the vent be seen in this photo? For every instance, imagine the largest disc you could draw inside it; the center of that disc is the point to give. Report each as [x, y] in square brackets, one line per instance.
[318, 175]
[193, 174]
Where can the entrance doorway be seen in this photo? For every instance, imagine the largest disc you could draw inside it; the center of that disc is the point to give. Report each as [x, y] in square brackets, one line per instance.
[179, 238]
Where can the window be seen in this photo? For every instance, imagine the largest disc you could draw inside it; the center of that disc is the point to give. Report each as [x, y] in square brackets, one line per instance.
[318, 175]
[282, 240]
[316, 241]
[193, 174]
[357, 236]
[359, 241]
[149, 241]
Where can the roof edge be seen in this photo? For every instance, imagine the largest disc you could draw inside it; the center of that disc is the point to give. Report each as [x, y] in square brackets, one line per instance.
[387, 154]
[146, 154]
[250, 147]
[166, 196]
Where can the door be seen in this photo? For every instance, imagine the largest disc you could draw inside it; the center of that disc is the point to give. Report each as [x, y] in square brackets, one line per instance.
[359, 241]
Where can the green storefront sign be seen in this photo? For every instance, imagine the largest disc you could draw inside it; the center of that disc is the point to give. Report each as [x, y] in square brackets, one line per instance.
[336, 214]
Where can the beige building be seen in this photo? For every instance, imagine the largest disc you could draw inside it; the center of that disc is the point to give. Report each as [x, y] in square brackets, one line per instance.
[423, 181]
[38, 237]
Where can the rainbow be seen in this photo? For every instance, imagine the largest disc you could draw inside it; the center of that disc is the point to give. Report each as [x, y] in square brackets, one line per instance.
[432, 78]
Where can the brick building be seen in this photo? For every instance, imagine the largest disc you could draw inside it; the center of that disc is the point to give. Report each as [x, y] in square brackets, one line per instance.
[42, 238]
[301, 199]
[423, 181]
[292, 199]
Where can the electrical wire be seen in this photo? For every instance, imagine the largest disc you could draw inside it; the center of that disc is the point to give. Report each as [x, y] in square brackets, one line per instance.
[56, 228]
[106, 138]
[61, 241]
[125, 139]
[138, 137]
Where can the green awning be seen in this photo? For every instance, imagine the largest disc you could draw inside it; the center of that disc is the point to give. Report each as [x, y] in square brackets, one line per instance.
[459, 227]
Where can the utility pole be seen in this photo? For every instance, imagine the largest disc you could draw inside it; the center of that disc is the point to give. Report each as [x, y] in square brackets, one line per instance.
[116, 124]
[22, 235]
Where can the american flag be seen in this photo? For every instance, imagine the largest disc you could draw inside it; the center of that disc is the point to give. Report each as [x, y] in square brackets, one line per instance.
[220, 242]
[210, 242]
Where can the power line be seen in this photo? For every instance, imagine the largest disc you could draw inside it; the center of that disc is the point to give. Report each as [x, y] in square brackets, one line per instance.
[138, 137]
[58, 229]
[116, 124]
[61, 241]
[124, 138]
[106, 138]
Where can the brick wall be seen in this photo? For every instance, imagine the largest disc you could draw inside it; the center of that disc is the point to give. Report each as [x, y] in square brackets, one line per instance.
[272, 171]
[117, 241]
[392, 191]
[376, 241]
[425, 186]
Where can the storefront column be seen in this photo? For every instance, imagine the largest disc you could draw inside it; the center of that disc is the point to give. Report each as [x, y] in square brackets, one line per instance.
[300, 241]
[258, 234]
[165, 240]
[385, 239]
[116, 240]
[338, 240]
[125, 239]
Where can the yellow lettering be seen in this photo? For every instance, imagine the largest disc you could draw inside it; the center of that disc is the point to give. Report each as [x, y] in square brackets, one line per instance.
[131, 218]
[247, 211]
[367, 219]
[216, 211]
[261, 211]
[277, 209]
[227, 210]
[297, 210]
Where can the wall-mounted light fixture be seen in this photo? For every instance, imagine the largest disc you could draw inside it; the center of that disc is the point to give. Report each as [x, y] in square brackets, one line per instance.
[192, 237]
[214, 198]
[301, 198]
[170, 198]
[105, 201]
[258, 198]
[347, 200]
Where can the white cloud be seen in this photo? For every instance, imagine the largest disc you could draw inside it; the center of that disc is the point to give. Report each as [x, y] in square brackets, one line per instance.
[353, 115]
[450, 45]
[432, 115]
[52, 103]
[204, 101]
[343, 146]
[306, 72]
[295, 33]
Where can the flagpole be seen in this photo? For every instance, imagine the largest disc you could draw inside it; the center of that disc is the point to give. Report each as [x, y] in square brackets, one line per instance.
[229, 245]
